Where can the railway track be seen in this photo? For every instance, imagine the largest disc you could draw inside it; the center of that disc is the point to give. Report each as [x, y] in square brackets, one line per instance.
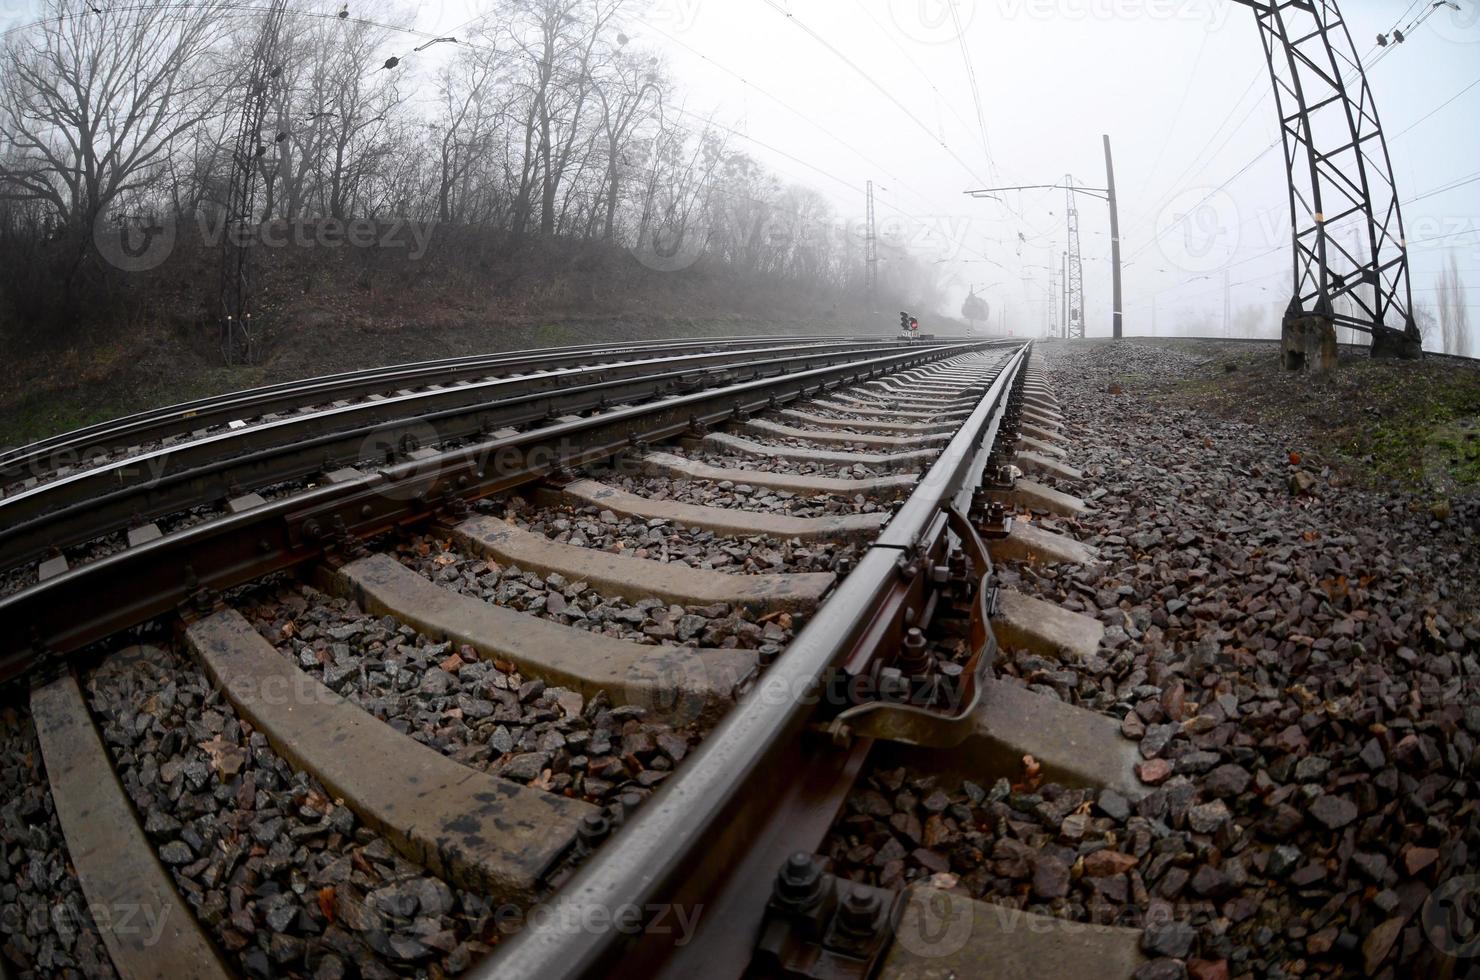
[573, 682]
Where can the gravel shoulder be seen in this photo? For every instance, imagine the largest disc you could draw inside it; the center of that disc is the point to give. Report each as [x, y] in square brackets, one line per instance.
[1298, 660]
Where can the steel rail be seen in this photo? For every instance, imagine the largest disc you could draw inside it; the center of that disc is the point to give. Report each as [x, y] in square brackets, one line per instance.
[106, 499]
[185, 417]
[87, 603]
[759, 769]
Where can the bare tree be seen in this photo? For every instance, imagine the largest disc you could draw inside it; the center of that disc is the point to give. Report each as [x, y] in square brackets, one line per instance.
[1454, 315]
[93, 103]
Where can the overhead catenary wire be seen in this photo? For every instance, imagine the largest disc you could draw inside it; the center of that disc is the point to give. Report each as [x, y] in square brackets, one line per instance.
[893, 37]
[873, 83]
[1362, 65]
[820, 127]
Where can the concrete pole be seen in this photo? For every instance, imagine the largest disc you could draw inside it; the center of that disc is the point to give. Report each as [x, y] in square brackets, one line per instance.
[1064, 323]
[1114, 239]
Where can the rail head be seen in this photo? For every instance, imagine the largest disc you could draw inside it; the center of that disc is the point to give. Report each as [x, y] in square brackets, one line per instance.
[84, 604]
[660, 854]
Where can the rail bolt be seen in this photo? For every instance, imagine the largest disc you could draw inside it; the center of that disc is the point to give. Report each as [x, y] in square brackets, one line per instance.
[592, 830]
[768, 653]
[799, 884]
[858, 914]
[913, 660]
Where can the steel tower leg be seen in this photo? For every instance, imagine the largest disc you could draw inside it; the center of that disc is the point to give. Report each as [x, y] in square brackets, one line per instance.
[1340, 177]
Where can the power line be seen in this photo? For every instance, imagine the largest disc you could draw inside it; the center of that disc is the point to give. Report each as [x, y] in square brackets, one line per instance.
[872, 82]
[976, 95]
[893, 37]
[1177, 116]
[1457, 182]
[785, 105]
[1207, 197]
[1436, 108]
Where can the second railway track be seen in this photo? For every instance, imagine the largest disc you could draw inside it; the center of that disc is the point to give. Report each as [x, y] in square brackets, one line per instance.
[558, 700]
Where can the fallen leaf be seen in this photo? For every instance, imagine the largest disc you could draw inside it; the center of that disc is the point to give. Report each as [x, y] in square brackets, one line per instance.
[227, 758]
[326, 902]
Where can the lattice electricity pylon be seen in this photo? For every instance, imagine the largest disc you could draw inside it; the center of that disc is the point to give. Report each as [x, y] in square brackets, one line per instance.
[870, 254]
[263, 72]
[1339, 172]
[1075, 284]
[1053, 301]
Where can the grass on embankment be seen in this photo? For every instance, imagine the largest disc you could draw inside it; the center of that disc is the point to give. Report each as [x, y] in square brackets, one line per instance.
[1404, 425]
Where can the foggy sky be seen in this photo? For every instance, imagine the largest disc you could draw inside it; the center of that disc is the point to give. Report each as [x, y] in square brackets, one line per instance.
[1054, 76]
[1159, 76]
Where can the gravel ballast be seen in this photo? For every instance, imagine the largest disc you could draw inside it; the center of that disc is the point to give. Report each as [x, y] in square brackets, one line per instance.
[1298, 661]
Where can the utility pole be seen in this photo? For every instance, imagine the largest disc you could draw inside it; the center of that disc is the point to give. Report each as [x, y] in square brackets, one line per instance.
[1074, 310]
[241, 199]
[1064, 295]
[1053, 300]
[1227, 302]
[1076, 265]
[871, 256]
[1115, 314]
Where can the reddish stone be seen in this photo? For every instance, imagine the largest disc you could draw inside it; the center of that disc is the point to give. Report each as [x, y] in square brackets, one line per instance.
[1207, 969]
[1154, 772]
[1415, 859]
[1103, 863]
